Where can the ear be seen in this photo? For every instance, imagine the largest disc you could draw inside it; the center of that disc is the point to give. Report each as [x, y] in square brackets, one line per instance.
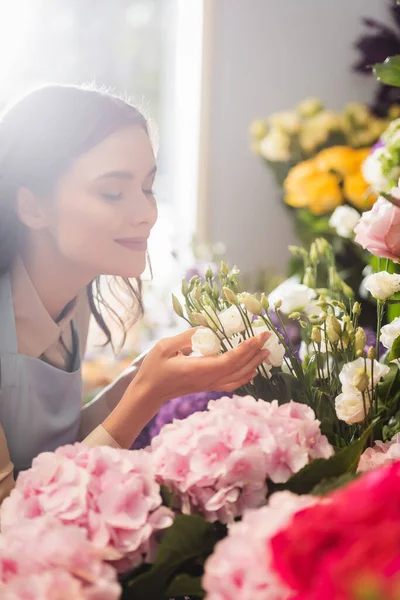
[29, 209]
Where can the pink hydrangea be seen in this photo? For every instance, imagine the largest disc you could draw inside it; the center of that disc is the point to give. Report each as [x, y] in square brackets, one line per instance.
[380, 455]
[240, 567]
[110, 493]
[43, 559]
[217, 462]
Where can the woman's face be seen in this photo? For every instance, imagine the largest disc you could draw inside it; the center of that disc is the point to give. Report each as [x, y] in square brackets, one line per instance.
[104, 208]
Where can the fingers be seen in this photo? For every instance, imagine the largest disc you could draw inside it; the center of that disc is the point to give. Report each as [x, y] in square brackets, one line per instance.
[182, 342]
[250, 367]
[231, 386]
[241, 356]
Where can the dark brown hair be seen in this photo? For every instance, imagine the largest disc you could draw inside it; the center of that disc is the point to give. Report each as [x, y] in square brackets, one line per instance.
[40, 136]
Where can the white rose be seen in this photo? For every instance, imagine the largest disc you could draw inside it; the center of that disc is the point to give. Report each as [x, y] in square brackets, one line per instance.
[275, 146]
[390, 332]
[205, 342]
[350, 406]
[382, 285]
[372, 171]
[294, 297]
[344, 219]
[231, 320]
[352, 370]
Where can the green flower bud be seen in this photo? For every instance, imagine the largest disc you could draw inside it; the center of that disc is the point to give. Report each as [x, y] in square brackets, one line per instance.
[177, 306]
[347, 291]
[264, 302]
[252, 304]
[333, 329]
[224, 268]
[295, 316]
[309, 278]
[361, 381]
[278, 304]
[314, 256]
[360, 339]
[229, 295]
[371, 353]
[185, 288]
[316, 336]
[199, 319]
[209, 273]
[356, 308]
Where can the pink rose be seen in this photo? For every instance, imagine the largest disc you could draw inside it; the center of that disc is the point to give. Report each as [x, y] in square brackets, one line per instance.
[378, 230]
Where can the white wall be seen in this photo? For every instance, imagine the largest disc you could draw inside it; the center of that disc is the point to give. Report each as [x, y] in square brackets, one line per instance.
[268, 55]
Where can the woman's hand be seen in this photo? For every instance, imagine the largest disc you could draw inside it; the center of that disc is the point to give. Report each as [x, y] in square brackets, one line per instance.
[167, 372]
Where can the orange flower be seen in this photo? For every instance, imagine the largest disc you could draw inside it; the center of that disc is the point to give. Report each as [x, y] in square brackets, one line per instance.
[356, 191]
[341, 159]
[319, 192]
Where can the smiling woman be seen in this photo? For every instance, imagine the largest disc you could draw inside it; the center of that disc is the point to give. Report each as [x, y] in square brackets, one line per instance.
[77, 203]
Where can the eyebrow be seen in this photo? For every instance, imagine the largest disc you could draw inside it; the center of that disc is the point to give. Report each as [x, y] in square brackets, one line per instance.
[124, 174]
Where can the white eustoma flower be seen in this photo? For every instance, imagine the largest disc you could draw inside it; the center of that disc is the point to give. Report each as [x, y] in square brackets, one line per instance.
[294, 297]
[343, 220]
[350, 406]
[231, 320]
[372, 171]
[205, 342]
[352, 371]
[382, 285]
[390, 332]
[273, 345]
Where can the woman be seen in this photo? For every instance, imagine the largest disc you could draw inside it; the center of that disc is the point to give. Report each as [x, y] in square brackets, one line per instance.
[76, 202]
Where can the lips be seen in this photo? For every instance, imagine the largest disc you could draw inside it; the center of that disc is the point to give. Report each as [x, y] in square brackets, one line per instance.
[138, 244]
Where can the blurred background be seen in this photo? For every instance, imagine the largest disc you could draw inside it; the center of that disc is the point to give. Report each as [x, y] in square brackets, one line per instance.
[210, 73]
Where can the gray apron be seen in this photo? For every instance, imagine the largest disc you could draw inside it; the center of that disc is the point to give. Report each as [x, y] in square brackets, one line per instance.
[40, 405]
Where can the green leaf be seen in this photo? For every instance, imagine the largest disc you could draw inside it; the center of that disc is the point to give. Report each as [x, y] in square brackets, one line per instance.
[333, 483]
[389, 71]
[395, 351]
[189, 538]
[185, 585]
[344, 461]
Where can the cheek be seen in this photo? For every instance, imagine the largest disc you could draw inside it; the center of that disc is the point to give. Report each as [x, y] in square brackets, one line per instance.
[85, 224]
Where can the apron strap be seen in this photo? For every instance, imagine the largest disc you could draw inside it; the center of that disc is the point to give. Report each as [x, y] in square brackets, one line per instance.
[8, 332]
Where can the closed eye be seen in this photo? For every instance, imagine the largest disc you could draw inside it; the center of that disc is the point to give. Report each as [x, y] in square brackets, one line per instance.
[113, 197]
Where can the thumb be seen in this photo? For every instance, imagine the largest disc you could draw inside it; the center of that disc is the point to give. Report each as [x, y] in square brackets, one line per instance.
[172, 345]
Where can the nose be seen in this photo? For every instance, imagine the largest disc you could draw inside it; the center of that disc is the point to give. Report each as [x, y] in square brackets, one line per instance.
[142, 210]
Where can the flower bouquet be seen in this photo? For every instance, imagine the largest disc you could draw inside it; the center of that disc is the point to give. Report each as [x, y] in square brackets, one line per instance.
[286, 138]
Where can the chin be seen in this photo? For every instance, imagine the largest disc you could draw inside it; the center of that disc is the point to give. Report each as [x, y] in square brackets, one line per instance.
[134, 269]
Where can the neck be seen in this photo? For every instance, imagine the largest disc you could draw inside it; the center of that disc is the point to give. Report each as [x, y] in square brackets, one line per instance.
[56, 280]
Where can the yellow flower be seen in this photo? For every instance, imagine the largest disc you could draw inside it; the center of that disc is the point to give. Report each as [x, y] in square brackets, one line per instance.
[358, 112]
[288, 120]
[258, 129]
[341, 159]
[319, 192]
[356, 191]
[309, 107]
